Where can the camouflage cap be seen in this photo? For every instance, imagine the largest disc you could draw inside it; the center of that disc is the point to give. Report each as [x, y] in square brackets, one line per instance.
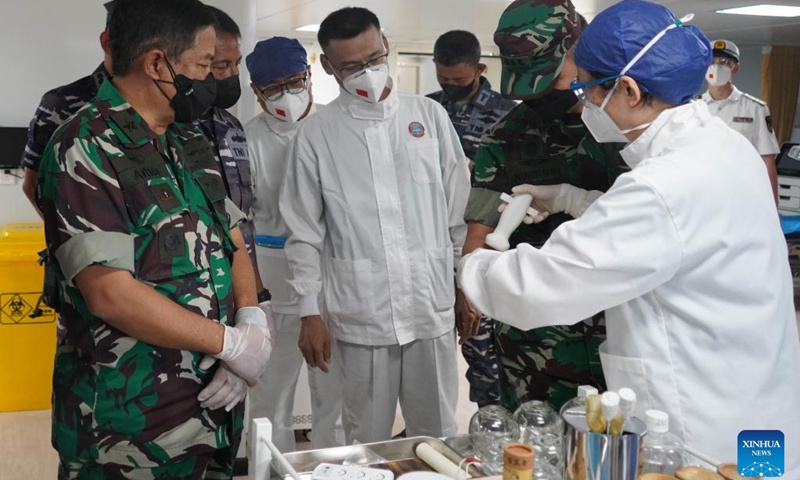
[534, 36]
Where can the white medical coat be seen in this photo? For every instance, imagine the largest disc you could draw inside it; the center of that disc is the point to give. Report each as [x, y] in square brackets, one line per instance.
[374, 200]
[268, 140]
[686, 256]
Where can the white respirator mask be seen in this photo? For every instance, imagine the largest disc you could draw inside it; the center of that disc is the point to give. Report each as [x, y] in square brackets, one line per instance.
[718, 74]
[368, 84]
[290, 107]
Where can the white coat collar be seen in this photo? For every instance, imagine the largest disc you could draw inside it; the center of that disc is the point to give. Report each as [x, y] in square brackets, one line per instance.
[284, 129]
[369, 111]
[735, 95]
[669, 126]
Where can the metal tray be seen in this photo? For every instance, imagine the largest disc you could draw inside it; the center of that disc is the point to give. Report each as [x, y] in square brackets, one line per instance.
[388, 455]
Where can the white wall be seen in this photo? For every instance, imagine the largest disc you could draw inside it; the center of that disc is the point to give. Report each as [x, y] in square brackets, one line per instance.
[53, 42]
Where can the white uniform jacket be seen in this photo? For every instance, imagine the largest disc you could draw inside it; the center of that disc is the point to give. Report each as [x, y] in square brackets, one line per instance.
[269, 140]
[749, 116]
[686, 256]
[374, 199]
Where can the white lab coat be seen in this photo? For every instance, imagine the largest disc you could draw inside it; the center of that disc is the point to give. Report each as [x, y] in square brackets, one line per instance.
[374, 200]
[268, 140]
[686, 256]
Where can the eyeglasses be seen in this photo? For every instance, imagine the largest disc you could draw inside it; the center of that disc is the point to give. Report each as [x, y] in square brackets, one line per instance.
[294, 85]
[579, 88]
[347, 71]
[723, 61]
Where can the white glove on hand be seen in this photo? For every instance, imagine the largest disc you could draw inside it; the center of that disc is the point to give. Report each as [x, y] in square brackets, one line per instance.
[225, 390]
[247, 346]
[266, 307]
[549, 199]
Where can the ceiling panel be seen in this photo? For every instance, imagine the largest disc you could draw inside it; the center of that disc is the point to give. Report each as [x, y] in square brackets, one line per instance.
[422, 21]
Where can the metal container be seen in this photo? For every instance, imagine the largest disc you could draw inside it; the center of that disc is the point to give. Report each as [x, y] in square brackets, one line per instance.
[396, 455]
[593, 456]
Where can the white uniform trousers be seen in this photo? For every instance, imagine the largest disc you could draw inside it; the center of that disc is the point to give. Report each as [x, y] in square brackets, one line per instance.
[423, 375]
[273, 396]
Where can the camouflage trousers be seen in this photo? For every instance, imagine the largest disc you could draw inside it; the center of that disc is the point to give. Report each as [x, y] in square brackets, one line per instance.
[479, 352]
[548, 363]
[218, 465]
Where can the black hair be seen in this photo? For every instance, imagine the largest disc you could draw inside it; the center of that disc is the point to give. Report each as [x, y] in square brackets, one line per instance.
[138, 26]
[225, 23]
[346, 23]
[647, 97]
[456, 47]
[109, 10]
[721, 54]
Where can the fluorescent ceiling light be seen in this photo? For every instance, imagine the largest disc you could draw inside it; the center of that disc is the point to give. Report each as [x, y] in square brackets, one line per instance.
[311, 27]
[764, 10]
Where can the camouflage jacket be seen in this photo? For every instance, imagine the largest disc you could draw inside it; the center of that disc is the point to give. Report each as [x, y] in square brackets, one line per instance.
[55, 108]
[471, 119]
[116, 194]
[522, 149]
[226, 136]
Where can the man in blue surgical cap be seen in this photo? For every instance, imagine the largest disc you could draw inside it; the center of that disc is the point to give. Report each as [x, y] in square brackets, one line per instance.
[684, 253]
[281, 81]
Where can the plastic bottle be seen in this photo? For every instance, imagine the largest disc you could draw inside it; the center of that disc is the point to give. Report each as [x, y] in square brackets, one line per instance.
[662, 452]
[577, 406]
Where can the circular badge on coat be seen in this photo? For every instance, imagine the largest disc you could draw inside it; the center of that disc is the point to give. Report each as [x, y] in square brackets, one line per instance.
[416, 129]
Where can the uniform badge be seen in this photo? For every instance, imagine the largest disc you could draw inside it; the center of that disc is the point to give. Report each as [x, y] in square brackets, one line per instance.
[769, 123]
[416, 129]
[742, 119]
[719, 45]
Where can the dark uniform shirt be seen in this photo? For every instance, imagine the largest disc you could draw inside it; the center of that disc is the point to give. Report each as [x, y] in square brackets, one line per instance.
[55, 108]
[471, 119]
[115, 194]
[226, 136]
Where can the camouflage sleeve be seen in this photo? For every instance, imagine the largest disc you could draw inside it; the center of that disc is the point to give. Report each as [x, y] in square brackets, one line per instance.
[490, 181]
[47, 118]
[84, 209]
[482, 207]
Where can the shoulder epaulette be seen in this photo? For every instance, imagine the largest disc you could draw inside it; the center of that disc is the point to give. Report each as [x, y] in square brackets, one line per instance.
[755, 99]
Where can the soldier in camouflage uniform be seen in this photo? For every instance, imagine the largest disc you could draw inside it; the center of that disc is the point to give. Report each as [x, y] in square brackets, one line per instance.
[225, 132]
[55, 108]
[473, 107]
[542, 141]
[152, 267]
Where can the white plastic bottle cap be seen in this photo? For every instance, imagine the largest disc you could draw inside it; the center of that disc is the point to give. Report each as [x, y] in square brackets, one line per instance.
[609, 401]
[657, 421]
[586, 390]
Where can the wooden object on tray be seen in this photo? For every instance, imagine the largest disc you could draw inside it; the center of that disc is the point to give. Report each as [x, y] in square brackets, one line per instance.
[696, 473]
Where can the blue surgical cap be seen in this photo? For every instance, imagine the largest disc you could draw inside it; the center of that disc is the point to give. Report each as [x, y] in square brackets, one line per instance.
[275, 58]
[672, 70]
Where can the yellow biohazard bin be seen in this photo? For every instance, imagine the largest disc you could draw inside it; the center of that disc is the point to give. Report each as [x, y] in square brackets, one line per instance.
[27, 344]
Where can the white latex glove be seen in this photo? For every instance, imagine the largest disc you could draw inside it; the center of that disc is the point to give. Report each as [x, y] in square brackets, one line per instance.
[247, 346]
[225, 390]
[549, 199]
[266, 307]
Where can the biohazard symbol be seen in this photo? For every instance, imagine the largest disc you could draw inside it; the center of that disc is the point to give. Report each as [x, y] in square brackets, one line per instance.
[16, 308]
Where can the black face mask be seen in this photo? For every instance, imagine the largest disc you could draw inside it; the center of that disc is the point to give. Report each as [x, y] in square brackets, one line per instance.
[455, 93]
[192, 97]
[228, 92]
[554, 105]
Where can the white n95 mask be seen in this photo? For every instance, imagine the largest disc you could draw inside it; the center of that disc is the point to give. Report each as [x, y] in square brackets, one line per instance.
[718, 74]
[368, 84]
[290, 107]
[602, 126]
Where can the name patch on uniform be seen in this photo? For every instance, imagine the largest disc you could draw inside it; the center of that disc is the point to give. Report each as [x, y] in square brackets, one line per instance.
[416, 129]
[743, 119]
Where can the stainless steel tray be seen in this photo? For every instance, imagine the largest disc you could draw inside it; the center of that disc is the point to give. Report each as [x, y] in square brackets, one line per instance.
[376, 455]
